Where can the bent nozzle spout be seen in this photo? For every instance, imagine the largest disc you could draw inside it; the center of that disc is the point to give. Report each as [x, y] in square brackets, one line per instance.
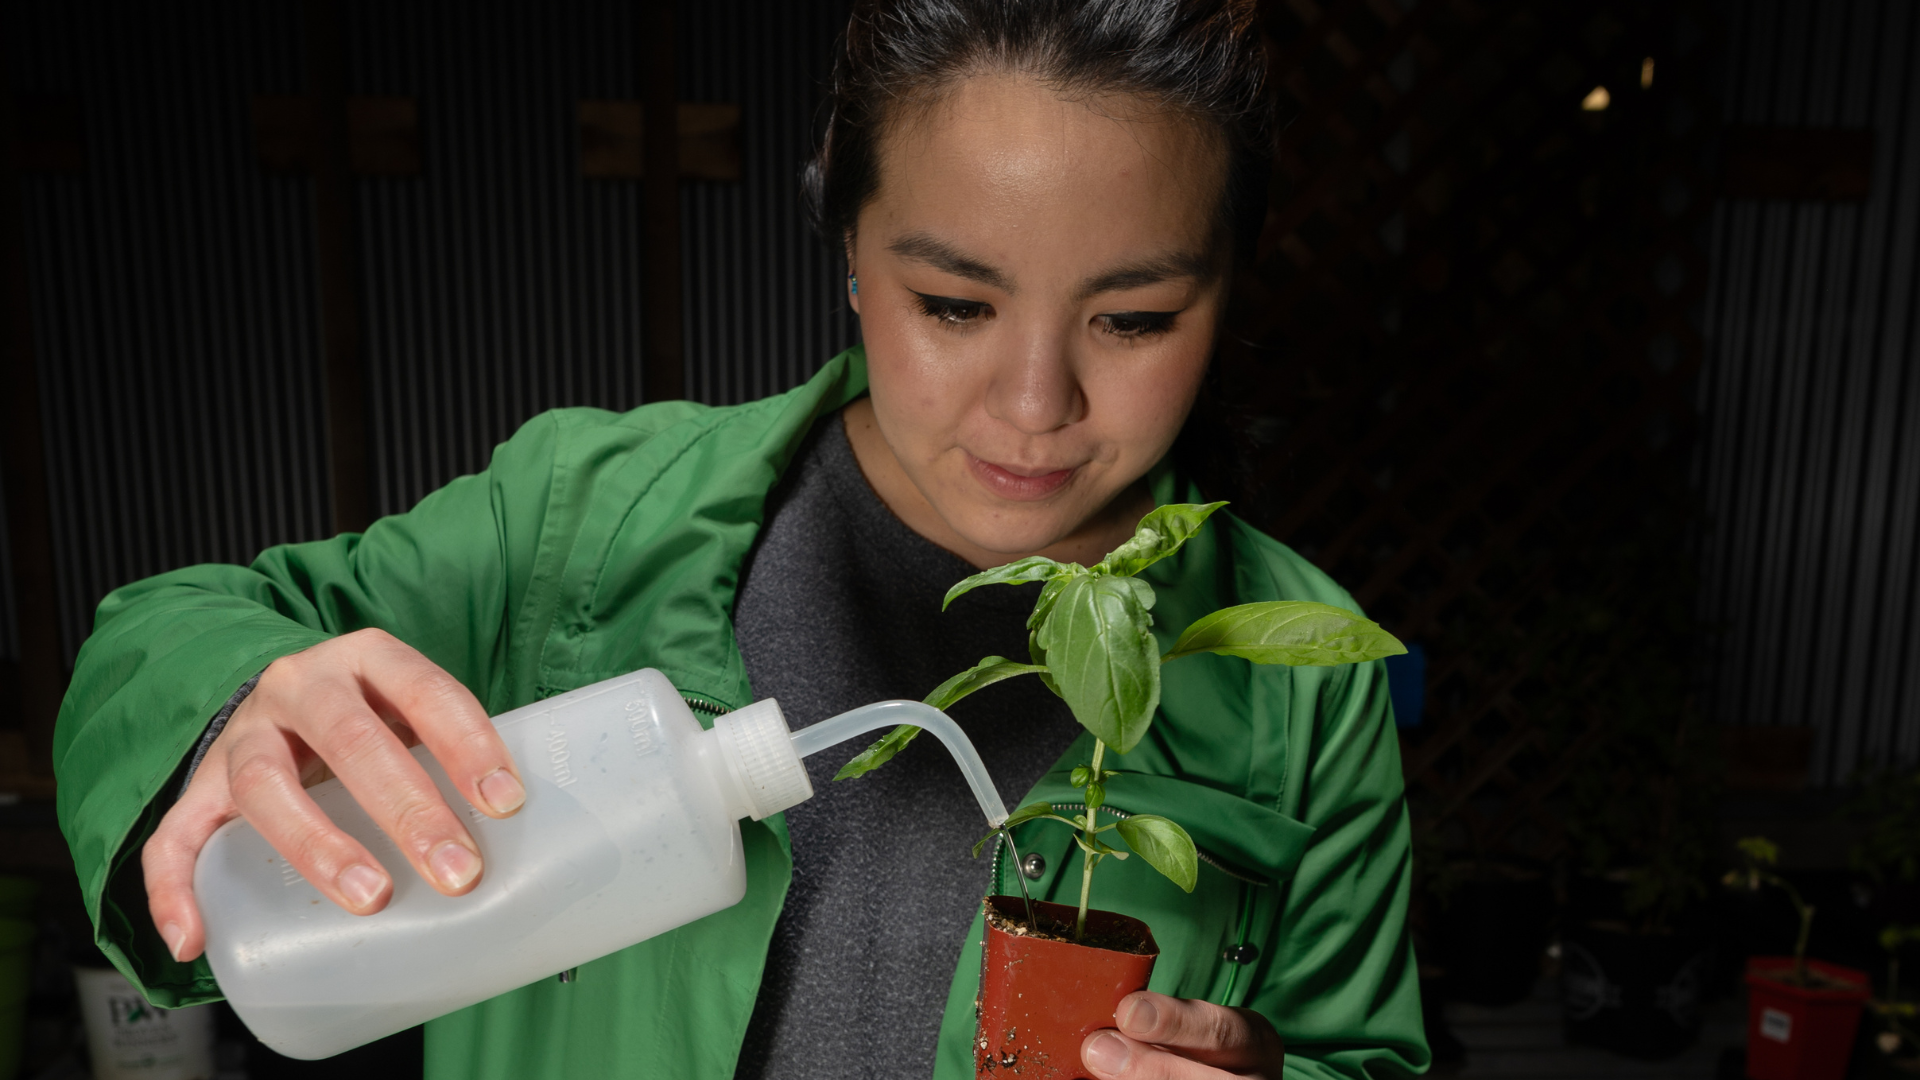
[886, 714]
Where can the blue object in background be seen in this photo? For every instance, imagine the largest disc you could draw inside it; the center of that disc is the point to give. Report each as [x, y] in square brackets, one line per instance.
[1407, 685]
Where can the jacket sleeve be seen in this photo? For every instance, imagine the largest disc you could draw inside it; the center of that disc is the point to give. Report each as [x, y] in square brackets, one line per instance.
[1344, 990]
[167, 652]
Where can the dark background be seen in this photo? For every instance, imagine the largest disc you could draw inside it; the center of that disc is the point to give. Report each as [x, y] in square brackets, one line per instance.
[1600, 407]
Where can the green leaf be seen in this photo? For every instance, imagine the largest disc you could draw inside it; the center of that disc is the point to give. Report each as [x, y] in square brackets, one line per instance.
[1103, 659]
[1166, 847]
[1293, 632]
[1158, 535]
[1020, 571]
[1046, 677]
[1027, 813]
[879, 753]
[1142, 593]
[1049, 593]
[1096, 795]
[1079, 776]
[1024, 814]
[1759, 850]
[991, 670]
[1095, 849]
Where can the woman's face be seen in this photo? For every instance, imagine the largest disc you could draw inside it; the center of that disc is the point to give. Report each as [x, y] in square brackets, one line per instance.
[1040, 282]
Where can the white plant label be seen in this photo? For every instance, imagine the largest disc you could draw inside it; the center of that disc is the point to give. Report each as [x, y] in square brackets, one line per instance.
[1776, 1025]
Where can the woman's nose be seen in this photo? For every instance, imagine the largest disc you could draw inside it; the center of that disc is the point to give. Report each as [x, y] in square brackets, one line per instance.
[1036, 391]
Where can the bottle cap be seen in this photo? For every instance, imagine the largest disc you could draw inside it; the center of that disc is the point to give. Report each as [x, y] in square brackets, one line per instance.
[759, 753]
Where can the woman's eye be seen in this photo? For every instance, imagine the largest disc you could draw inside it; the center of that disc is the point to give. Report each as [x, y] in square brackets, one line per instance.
[951, 310]
[1137, 323]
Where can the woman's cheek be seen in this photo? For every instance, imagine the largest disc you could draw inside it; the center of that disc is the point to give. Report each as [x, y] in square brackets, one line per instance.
[914, 401]
[1146, 405]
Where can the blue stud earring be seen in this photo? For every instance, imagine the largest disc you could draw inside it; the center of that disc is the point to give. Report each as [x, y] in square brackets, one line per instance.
[853, 285]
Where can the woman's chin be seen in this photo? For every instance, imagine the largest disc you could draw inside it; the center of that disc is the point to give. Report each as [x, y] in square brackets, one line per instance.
[1014, 532]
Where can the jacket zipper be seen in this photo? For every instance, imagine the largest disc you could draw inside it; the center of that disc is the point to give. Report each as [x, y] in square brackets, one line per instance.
[711, 708]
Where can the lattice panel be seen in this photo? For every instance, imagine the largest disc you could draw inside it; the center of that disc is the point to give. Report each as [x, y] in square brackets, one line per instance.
[1466, 357]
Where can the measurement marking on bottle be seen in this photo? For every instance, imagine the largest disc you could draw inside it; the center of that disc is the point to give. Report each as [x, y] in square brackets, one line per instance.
[640, 727]
[557, 752]
[289, 876]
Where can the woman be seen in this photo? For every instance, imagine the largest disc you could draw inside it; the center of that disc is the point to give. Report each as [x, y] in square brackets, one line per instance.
[1040, 203]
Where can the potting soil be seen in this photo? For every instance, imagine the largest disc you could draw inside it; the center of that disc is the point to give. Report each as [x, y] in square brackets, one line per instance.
[1113, 942]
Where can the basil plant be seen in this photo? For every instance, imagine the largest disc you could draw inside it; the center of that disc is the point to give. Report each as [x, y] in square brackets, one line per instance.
[1090, 640]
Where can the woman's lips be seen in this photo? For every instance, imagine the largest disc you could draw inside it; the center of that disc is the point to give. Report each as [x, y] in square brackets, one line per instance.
[1018, 486]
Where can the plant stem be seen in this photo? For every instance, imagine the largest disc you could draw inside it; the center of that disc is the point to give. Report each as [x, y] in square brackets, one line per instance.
[1800, 944]
[1805, 911]
[1086, 872]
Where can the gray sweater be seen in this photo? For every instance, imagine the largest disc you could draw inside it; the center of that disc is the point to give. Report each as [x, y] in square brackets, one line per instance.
[839, 605]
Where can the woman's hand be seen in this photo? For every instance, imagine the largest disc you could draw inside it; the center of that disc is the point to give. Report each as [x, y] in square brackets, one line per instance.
[1165, 1038]
[350, 707]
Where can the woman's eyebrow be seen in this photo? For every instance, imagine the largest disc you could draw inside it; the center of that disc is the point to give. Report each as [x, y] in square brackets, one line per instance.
[941, 255]
[1194, 265]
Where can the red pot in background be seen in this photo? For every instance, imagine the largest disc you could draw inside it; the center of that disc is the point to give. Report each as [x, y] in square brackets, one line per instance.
[1801, 1032]
[1040, 999]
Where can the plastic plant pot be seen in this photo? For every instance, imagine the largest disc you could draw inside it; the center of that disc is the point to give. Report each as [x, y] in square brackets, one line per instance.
[1801, 1032]
[1041, 998]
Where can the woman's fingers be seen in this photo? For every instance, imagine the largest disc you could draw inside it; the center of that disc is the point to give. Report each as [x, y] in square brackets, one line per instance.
[388, 783]
[344, 703]
[168, 858]
[265, 787]
[402, 685]
[1166, 1038]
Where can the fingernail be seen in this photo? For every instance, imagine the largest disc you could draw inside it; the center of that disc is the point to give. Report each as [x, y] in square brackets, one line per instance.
[361, 885]
[454, 864]
[1141, 1016]
[1105, 1052]
[502, 792]
[174, 937]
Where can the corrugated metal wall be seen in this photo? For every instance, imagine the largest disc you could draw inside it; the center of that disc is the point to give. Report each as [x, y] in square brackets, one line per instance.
[765, 303]
[173, 292]
[9, 624]
[1811, 465]
[498, 283]
[171, 295]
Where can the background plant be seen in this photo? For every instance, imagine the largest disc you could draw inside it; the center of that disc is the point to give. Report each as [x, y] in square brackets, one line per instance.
[1888, 803]
[1613, 657]
[1090, 640]
[1895, 1011]
[1759, 856]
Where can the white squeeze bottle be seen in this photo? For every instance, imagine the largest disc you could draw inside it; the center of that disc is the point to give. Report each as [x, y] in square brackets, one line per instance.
[630, 828]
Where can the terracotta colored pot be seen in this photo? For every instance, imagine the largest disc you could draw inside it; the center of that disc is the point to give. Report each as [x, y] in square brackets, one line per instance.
[1040, 999]
[1801, 1032]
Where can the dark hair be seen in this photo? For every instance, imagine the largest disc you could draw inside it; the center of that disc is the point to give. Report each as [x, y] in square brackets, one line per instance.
[1198, 57]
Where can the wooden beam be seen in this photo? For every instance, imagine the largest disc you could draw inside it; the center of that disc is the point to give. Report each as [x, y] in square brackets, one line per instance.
[383, 134]
[613, 140]
[662, 375]
[23, 468]
[336, 256]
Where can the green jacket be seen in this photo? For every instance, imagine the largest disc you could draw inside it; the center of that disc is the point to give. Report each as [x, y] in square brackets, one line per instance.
[595, 544]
